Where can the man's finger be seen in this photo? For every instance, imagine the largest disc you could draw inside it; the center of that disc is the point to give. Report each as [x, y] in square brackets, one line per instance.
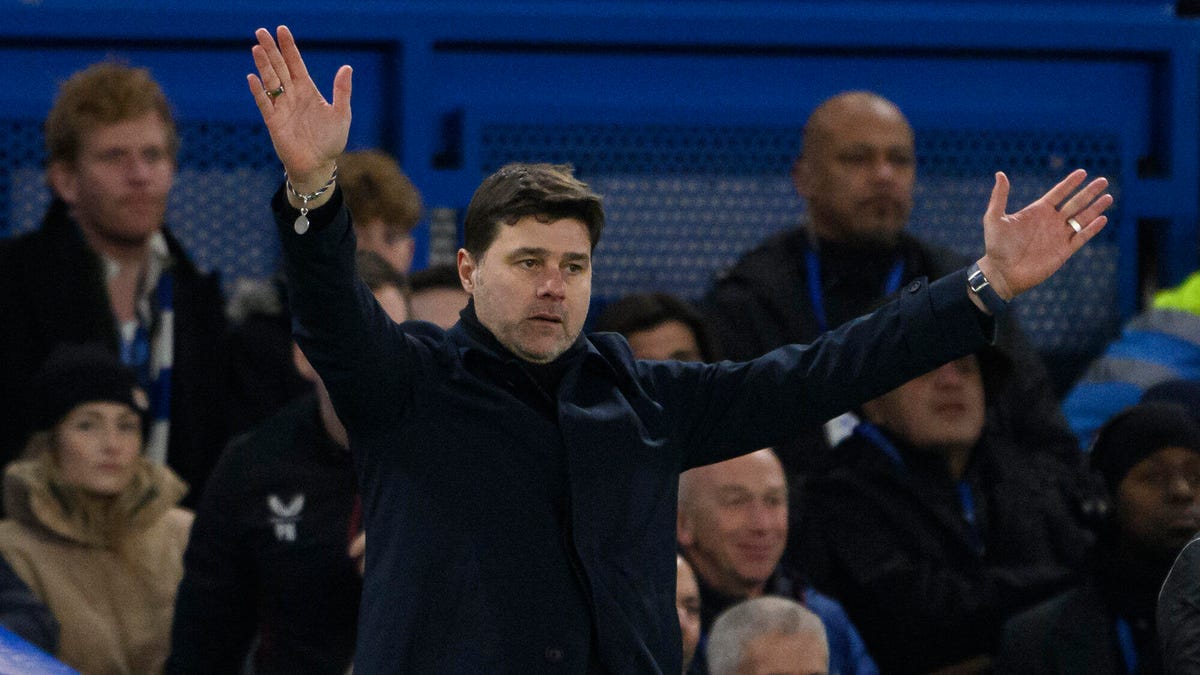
[1059, 193]
[1093, 210]
[291, 54]
[1090, 230]
[341, 91]
[266, 71]
[999, 200]
[1082, 199]
[260, 95]
[271, 51]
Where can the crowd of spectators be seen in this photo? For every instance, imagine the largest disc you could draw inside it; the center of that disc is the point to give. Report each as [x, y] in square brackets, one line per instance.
[955, 523]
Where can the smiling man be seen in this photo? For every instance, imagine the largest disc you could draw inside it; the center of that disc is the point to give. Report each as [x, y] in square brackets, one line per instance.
[733, 524]
[518, 478]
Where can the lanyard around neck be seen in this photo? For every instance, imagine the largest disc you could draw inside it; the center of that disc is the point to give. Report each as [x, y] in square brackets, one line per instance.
[816, 292]
[966, 497]
[1127, 645]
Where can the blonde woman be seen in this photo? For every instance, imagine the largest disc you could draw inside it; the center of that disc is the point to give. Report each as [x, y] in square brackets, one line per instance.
[92, 526]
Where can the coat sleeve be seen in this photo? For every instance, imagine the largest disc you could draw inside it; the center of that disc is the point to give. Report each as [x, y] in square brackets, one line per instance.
[359, 352]
[729, 409]
[899, 598]
[1179, 613]
[23, 613]
[215, 616]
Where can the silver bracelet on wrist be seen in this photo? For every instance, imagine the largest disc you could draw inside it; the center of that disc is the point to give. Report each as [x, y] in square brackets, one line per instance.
[301, 224]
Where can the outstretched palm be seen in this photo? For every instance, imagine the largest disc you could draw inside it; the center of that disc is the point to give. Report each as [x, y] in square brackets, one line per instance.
[1023, 249]
[308, 132]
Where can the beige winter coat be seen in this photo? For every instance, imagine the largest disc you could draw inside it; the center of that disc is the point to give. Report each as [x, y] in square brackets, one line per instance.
[108, 570]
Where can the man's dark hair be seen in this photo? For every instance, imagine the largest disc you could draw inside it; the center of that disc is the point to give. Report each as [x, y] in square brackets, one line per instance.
[644, 311]
[519, 190]
[437, 276]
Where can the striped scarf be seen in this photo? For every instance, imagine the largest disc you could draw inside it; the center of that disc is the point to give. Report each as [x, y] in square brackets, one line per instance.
[148, 345]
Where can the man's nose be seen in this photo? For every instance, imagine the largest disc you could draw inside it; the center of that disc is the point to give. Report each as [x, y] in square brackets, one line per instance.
[885, 169]
[139, 168]
[552, 284]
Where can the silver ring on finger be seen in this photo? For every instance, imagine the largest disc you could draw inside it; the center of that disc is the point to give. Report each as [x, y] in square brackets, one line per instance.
[274, 93]
[1074, 224]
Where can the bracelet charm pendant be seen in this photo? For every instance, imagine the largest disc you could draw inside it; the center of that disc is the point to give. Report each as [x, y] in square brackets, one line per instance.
[301, 224]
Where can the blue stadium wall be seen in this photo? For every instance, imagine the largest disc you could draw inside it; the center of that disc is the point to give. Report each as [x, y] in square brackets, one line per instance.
[684, 115]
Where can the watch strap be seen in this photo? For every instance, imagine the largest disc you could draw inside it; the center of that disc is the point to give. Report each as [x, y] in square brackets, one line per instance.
[978, 283]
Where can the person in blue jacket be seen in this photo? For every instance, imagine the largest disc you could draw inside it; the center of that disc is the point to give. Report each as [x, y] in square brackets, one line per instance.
[519, 479]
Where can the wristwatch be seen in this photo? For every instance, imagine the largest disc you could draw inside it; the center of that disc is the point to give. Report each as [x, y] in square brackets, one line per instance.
[979, 284]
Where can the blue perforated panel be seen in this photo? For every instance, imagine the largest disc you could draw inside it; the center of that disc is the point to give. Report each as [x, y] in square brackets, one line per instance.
[683, 202]
[219, 207]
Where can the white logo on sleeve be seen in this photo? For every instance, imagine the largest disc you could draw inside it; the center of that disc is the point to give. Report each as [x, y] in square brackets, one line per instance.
[285, 516]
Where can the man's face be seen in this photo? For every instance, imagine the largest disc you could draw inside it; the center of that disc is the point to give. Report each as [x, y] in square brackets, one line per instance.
[857, 173]
[117, 188]
[390, 243]
[687, 604]
[393, 303]
[733, 523]
[785, 654]
[1158, 502]
[942, 409]
[533, 285]
[669, 340]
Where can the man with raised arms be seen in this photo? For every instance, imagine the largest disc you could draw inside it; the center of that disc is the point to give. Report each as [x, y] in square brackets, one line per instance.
[519, 479]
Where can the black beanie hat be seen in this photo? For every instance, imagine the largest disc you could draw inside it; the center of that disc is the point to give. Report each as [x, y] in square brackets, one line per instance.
[78, 374]
[1182, 392]
[1138, 432]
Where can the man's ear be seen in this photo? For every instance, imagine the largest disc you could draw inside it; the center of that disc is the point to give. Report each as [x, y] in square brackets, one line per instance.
[302, 365]
[684, 533]
[63, 181]
[466, 270]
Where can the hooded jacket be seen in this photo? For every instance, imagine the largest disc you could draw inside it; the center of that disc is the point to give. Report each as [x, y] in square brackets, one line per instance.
[107, 569]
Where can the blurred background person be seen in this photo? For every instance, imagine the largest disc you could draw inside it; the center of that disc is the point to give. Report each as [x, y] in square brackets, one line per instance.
[856, 173]
[660, 326]
[104, 268]
[932, 532]
[385, 207]
[687, 603]
[732, 528]
[768, 636]
[272, 574]
[1148, 458]
[437, 295]
[1159, 345]
[93, 526]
